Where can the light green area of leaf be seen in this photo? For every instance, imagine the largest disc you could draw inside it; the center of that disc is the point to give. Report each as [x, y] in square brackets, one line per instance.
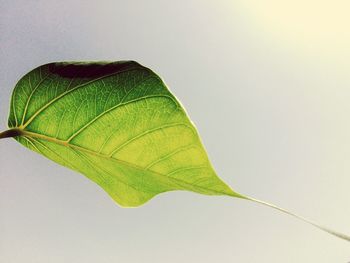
[116, 123]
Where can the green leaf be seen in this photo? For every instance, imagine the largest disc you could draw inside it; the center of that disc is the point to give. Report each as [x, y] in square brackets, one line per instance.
[116, 123]
[119, 125]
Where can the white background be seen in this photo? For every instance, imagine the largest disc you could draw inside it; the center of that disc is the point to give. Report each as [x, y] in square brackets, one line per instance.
[270, 98]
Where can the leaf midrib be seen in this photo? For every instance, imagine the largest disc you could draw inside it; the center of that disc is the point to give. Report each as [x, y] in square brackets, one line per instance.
[22, 132]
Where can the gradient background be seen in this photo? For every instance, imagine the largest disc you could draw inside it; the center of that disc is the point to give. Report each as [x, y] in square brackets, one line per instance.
[266, 83]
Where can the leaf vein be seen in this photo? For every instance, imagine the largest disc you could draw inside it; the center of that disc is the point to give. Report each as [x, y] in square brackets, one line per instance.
[186, 168]
[113, 108]
[30, 96]
[167, 156]
[145, 133]
[69, 91]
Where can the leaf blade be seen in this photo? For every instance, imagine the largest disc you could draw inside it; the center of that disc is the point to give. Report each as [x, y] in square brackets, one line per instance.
[116, 123]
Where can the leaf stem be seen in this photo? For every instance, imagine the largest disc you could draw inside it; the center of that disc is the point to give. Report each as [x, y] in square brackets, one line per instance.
[10, 133]
[323, 228]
